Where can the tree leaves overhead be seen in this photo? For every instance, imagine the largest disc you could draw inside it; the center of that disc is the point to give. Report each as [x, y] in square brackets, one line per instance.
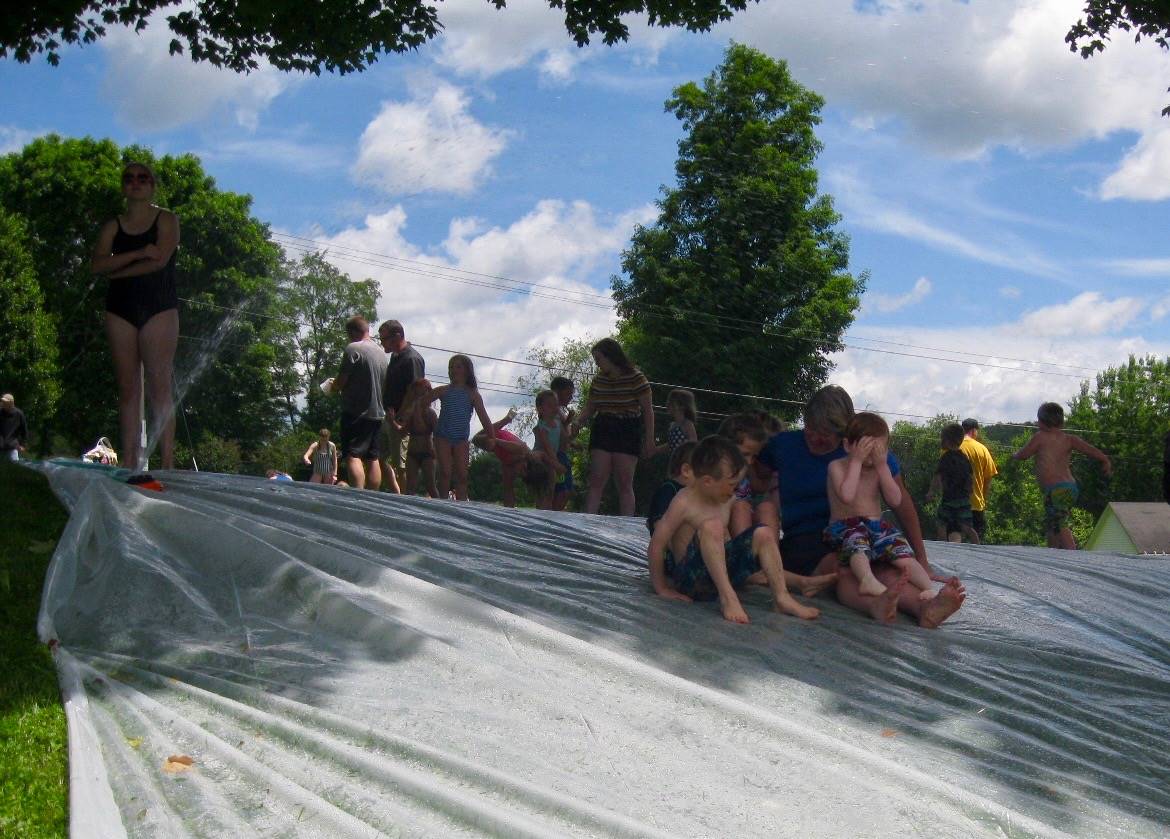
[341, 36]
[741, 284]
[1143, 18]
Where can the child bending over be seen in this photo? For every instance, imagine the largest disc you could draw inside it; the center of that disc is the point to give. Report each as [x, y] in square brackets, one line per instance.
[953, 476]
[857, 483]
[703, 563]
[517, 461]
[1052, 446]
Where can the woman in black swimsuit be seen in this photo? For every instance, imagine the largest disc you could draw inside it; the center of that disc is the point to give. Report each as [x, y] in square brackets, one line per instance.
[136, 251]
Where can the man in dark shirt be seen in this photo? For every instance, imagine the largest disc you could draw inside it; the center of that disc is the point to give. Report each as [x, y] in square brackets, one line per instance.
[13, 429]
[406, 365]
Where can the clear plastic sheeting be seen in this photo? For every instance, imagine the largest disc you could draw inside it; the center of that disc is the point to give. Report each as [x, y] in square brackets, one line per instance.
[244, 657]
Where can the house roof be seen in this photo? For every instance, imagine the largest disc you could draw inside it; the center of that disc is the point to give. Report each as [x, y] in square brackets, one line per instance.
[1147, 523]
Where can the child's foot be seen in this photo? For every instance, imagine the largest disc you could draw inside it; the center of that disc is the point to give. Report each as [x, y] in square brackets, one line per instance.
[734, 612]
[812, 586]
[871, 585]
[789, 605]
[757, 579]
[942, 606]
[927, 594]
[884, 607]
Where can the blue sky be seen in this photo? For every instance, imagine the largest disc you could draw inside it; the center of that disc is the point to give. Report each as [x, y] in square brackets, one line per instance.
[1008, 199]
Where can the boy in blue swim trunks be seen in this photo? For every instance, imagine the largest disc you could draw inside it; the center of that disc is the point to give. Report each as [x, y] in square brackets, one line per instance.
[1052, 447]
[703, 562]
[857, 483]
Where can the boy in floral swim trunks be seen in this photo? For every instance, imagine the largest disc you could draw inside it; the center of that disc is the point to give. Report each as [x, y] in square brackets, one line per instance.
[711, 564]
[1052, 446]
[856, 486]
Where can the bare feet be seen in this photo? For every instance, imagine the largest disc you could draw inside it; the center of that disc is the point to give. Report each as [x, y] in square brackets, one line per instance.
[789, 605]
[812, 586]
[734, 612]
[758, 579]
[870, 585]
[948, 601]
[927, 594]
[884, 607]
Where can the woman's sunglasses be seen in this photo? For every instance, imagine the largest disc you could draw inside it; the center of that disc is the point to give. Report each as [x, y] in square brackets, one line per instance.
[139, 177]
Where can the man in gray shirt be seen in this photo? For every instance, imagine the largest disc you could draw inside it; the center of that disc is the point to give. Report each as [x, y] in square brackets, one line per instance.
[363, 372]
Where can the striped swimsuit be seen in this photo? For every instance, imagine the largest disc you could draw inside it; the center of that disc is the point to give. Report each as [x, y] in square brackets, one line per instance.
[455, 411]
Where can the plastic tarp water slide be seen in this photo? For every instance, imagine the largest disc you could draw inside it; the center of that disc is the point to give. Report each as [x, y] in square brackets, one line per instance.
[242, 657]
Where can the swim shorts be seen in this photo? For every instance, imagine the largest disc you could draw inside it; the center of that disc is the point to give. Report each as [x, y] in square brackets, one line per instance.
[565, 484]
[1059, 499]
[879, 540]
[954, 515]
[359, 437]
[691, 577]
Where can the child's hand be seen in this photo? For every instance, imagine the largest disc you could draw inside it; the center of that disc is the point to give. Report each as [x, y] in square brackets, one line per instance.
[881, 447]
[862, 449]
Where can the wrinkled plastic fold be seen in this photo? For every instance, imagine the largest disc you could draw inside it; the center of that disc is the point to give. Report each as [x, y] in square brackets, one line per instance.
[242, 657]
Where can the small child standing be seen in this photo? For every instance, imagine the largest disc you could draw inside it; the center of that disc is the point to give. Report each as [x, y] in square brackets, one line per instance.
[417, 420]
[549, 435]
[703, 563]
[857, 483]
[1052, 446]
[681, 405]
[954, 477]
[457, 402]
[564, 389]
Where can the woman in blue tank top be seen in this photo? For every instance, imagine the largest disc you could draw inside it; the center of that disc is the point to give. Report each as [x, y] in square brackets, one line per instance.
[136, 252]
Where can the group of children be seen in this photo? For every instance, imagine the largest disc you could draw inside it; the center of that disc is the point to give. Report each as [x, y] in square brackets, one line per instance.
[714, 524]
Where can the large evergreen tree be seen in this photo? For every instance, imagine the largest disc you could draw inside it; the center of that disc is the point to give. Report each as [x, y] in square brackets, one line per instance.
[742, 283]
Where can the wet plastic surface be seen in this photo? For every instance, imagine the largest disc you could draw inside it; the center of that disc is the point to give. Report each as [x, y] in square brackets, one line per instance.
[340, 663]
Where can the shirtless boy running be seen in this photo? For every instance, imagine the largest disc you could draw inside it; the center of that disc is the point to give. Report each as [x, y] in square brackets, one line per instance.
[703, 563]
[1051, 445]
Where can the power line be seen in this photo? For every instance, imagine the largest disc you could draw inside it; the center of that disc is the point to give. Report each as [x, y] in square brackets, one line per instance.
[537, 289]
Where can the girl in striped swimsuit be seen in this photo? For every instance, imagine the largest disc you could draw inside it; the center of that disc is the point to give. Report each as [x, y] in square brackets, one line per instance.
[457, 401]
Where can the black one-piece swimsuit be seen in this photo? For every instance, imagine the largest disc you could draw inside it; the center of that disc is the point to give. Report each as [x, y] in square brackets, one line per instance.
[137, 299]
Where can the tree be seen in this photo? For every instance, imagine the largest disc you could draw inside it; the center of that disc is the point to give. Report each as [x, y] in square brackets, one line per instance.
[334, 35]
[1144, 18]
[318, 298]
[1126, 414]
[62, 190]
[742, 283]
[28, 336]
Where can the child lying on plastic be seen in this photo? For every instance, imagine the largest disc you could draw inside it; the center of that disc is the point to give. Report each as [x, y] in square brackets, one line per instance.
[702, 562]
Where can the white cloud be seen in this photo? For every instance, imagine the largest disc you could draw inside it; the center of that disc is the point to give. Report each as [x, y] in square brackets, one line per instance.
[1144, 173]
[1025, 370]
[428, 144]
[1086, 314]
[1139, 267]
[284, 152]
[965, 77]
[864, 209]
[479, 40]
[152, 90]
[13, 138]
[891, 303]
[453, 298]
[1010, 292]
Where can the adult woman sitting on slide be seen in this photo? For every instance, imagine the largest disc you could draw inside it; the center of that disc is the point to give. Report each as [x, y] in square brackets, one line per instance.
[802, 460]
[136, 251]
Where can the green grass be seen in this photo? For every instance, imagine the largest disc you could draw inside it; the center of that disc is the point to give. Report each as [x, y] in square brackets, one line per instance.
[33, 751]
